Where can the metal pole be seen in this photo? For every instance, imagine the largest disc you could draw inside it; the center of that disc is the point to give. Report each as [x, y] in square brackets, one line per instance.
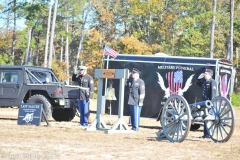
[106, 78]
[110, 120]
[99, 103]
[105, 89]
[120, 105]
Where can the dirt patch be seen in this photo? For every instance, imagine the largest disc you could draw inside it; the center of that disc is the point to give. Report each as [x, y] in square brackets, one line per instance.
[67, 140]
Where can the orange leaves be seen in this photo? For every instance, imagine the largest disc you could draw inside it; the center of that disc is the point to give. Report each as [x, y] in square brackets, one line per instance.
[156, 48]
[93, 54]
[106, 16]
[133, 46]
[5, 39]
[105, 11]
[95, 36]
[60, 69]
[137, 10]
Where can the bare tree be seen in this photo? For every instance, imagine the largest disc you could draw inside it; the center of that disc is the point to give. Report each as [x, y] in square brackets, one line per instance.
[29, 40]
[67, 44]
[28, 45]
[61, 51]
[47, 36]
[14, 27]
[52, 34]
[82, 33]
[213, 28]
[230, 38]
[231, 29]
[66, 52]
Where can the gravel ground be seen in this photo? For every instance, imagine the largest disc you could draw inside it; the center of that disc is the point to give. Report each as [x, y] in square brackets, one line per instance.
[67, 140]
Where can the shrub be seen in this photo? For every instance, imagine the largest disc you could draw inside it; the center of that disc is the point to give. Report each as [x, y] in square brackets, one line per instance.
[236, 100]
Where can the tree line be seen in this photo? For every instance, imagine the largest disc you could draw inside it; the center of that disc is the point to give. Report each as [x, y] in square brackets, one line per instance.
[62, 34]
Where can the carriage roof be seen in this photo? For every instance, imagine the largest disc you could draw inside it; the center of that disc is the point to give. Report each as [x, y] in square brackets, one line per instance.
[170, 59]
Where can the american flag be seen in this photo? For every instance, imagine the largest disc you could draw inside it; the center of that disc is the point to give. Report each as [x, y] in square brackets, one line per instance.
[109, 51]
[175, 81]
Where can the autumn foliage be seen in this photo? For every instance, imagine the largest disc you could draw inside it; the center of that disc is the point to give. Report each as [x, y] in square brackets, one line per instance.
[142, 27]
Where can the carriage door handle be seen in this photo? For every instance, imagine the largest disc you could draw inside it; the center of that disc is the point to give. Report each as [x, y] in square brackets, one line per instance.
[18, 85]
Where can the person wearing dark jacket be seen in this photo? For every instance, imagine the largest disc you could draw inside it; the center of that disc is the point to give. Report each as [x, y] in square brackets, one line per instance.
[85, 94]
[136, 97]
[209, 91]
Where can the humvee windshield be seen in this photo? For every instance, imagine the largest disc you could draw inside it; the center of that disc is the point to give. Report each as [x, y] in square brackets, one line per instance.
[41, 76]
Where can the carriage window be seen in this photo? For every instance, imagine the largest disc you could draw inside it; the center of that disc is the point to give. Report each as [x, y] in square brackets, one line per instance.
[9, 77]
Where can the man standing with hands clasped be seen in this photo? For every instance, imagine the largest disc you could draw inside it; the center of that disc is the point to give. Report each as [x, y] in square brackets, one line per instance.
[136, 97]
[209, 91]
[85, 81]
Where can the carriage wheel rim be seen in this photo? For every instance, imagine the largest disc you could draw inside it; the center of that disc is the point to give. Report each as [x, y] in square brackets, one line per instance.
[222, 128]
[176, 119]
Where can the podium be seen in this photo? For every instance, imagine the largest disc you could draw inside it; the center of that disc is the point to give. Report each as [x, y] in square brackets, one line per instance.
[120, 126]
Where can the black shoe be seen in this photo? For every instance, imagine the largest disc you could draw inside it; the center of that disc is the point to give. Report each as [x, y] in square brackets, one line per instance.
[135, 129]
[205, 136]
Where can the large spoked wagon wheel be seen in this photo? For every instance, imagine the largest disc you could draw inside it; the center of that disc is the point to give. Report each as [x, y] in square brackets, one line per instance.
[222, 127]
[176, 119]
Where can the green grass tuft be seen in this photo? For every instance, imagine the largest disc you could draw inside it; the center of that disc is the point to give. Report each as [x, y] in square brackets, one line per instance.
[236, 100]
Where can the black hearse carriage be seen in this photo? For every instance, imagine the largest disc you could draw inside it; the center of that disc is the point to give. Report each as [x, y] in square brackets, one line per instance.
[168, 75]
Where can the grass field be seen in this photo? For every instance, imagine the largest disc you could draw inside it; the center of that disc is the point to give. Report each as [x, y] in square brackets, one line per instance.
[67, 140]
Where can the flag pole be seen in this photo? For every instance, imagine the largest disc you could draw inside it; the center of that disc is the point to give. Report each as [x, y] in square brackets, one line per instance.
[109, 52]
[106, 78]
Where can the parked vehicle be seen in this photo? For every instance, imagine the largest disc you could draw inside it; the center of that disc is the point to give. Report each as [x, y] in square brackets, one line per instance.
[34, 84]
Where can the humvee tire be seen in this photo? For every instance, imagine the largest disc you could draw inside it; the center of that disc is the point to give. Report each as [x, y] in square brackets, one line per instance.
[47, 107]
[63, 114]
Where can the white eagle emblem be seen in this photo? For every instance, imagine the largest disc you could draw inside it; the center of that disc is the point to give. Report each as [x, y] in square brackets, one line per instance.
[161, 82]
[28, 117]
[180, 91]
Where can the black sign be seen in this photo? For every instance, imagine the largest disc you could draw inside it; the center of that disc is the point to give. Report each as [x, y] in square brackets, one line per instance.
[161, 80]
[29, 114]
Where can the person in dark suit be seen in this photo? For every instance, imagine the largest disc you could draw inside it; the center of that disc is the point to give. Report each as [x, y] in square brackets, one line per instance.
[136, 97]
[85, 81]
[209, 91]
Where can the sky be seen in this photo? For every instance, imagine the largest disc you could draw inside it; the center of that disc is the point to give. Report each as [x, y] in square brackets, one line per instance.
[20, 22]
